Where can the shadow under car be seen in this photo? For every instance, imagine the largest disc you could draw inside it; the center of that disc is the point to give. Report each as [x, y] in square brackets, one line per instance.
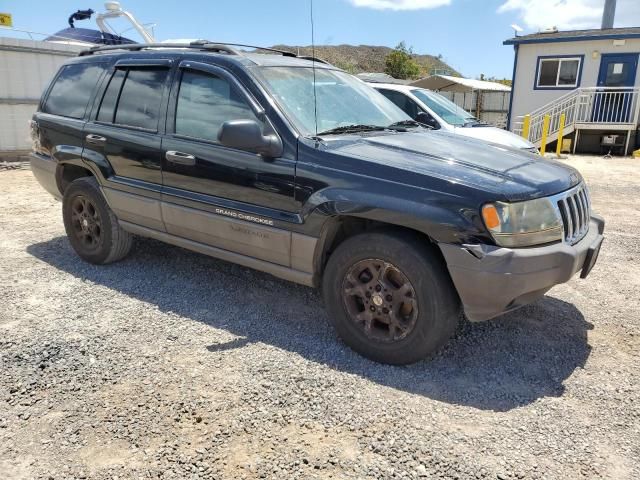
[495, 365]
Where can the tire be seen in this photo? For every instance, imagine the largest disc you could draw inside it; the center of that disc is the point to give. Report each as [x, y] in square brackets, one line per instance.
[91, 226]
[421, 317]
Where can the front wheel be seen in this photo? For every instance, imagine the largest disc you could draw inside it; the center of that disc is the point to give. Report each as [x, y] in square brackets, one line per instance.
[390, 297]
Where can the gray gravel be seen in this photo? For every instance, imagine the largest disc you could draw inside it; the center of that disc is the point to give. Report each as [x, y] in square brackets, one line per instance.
[170, 364]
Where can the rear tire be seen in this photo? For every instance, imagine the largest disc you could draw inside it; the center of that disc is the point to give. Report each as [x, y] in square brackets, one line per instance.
[389, 297]
[92, 228]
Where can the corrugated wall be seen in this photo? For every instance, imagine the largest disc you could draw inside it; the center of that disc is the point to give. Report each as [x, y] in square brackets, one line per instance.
[26, 67]
[493, 107]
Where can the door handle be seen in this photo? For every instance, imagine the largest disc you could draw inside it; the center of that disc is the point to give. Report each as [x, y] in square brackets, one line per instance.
[180, 158]
[95, 139]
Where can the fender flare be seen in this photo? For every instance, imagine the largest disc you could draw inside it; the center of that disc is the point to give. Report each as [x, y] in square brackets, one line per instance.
[439, 222]
[81, 157]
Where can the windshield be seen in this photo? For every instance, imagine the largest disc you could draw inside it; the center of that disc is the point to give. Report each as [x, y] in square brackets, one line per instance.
[444, 108]
[342, 99]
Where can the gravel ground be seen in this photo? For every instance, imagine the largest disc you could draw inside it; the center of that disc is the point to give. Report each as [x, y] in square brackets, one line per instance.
[170, 364]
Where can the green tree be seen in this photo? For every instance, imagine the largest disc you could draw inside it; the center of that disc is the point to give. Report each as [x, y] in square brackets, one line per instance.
[400, 63]
[503, 81]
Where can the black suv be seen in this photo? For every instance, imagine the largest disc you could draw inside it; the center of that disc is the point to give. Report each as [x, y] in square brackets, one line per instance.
[293, 167]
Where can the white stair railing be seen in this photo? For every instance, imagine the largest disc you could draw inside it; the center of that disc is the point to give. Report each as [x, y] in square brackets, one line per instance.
[604, 106]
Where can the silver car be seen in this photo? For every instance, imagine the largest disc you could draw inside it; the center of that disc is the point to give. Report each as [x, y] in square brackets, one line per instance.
[432, 109]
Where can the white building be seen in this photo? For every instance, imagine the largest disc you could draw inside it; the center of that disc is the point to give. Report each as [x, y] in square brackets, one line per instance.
[589, 75]
[26, 67]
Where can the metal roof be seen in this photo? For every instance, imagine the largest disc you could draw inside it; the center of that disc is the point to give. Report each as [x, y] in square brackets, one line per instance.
[458, 84]
[576, 35]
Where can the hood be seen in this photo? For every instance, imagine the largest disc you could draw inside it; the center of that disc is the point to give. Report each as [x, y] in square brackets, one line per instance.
[503, 172]
[494, 135]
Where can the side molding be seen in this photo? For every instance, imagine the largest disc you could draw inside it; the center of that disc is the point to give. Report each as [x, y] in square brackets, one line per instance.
[247, 238]
[134, 208]
[279, 271]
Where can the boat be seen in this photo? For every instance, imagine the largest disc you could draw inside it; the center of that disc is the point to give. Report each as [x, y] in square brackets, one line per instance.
[104, 34]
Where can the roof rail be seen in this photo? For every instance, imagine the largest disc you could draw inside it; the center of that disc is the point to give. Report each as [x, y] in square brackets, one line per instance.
[313, 59]
[220, 47]
[199, 45]
[284, 53]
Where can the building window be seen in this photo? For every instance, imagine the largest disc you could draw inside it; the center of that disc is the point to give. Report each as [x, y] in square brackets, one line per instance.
[558, 72]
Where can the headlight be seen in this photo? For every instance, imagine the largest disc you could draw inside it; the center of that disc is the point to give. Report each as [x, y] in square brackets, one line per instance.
[523, 224]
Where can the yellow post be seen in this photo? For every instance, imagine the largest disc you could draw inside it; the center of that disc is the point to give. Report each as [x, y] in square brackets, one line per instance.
[560, 133]
[526, 123]
[545, 131]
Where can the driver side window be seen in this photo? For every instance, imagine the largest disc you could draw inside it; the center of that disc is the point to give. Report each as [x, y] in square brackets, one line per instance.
[205, 102]
[407, 105]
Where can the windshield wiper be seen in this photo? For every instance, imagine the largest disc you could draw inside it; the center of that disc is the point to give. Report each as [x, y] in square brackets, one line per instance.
[474, 122]
[405, 123]
[352, 129]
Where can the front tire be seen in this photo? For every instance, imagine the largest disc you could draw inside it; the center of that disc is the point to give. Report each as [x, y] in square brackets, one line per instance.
[389, 297]
[91, 226]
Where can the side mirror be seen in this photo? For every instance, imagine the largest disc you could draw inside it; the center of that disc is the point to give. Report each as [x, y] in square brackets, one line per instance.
[247, 135]
[428, 120]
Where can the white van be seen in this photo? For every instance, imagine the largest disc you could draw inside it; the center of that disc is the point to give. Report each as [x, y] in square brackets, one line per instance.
[436, 111]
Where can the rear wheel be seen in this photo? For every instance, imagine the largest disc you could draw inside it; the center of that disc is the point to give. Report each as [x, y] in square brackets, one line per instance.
[390, 297]
[91, 226]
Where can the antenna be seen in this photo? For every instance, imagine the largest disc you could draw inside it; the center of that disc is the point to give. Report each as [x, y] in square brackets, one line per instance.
[313, 66]
[516, 29]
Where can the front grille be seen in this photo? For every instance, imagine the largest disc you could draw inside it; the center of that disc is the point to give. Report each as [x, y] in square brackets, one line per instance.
[575, 210]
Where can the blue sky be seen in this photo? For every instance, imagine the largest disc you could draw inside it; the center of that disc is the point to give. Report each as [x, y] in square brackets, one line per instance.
[468, 33]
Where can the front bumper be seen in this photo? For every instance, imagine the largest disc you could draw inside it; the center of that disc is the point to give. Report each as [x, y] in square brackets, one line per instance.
[493, 280]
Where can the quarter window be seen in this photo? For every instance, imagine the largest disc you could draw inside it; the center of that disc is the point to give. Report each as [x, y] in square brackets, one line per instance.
[72, 89]
[558, 72]
[110, 99]
[205, 102]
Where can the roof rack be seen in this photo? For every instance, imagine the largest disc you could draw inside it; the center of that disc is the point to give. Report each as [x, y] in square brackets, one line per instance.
[207, 45]
[220, 47]
[313, 59]
[213, 47]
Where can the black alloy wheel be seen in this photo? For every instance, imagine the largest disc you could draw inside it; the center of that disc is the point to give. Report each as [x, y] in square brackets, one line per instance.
[380, 299]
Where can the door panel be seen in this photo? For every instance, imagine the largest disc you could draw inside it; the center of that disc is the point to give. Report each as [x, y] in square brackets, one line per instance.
[124, 141]
[216, 195]
[616, 71]
[259, 241]
[230, 174]
[132, 155]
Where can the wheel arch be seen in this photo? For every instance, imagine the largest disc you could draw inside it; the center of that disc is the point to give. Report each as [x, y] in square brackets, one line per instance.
[435, 218]
[338, 228]
[67, 172]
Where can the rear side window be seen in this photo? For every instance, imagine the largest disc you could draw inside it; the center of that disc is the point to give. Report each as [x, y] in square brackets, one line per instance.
[205, 102]
[133, 98]
[72, 89]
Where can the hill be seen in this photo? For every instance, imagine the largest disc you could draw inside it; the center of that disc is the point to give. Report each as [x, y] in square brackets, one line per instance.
[364, 58]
